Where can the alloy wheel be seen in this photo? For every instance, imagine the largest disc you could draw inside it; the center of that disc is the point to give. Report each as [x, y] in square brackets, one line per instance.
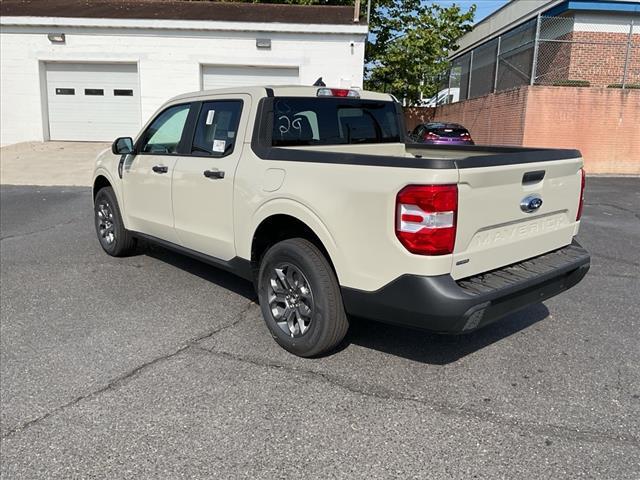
[106, 225]
[290, 299]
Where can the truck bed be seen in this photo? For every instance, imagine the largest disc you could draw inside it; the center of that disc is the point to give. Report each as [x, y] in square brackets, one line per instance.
[417, 155]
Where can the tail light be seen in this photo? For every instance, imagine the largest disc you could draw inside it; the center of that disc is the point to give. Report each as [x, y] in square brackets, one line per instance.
[465, 137]
[431, 136]
[337, 92]
[426, 218]
[581, 204]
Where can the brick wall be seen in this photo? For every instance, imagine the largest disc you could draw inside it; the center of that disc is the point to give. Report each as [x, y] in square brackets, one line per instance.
[600, 122]
[598, 57]
[492, 119]
[416, 115]
[602, 63]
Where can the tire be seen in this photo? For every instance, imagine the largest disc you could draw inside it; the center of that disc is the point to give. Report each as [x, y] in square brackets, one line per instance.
[296, 283]
[113, 237]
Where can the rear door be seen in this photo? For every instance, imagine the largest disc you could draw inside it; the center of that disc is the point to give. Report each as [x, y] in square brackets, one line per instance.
[203, 181]
[495, 229]
[146, 177]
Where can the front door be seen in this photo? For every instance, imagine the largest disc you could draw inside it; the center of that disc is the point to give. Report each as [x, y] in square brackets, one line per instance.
[202, 187]
[146, 177]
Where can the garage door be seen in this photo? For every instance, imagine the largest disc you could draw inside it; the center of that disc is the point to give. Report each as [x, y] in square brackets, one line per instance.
[220, 76]
[91, 101]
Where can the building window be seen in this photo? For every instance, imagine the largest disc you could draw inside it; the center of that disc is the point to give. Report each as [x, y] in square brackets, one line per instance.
[516, 57]
[460, 75]
[122, 93]
[483, 69]
[93, 91]
[65, 91]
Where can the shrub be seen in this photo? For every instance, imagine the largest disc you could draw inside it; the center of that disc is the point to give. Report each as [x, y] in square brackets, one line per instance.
[571, 83]
[628, 85]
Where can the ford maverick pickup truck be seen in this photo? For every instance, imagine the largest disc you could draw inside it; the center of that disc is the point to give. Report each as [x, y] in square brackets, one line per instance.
[313, 194]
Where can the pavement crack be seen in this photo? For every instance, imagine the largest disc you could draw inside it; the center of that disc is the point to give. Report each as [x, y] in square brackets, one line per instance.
[121, 379]
[383, 393]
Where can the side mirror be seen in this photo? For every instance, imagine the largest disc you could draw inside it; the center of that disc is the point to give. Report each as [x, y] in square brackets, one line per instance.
[122, 146]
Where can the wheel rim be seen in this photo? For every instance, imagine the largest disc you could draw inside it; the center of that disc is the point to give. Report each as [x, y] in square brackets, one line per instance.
[105, 222]
[290, 299]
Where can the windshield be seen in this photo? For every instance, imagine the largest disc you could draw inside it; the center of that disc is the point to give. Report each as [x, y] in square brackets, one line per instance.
[447, 130]
[333, 121]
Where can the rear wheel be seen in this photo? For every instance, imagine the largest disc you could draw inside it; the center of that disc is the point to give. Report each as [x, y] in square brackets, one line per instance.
[113, 237]
[300, 298]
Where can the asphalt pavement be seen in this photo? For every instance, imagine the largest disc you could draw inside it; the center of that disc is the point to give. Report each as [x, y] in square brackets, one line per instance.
[157, 366]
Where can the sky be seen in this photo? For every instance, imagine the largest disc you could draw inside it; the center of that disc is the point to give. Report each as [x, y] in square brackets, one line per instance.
[485, 7]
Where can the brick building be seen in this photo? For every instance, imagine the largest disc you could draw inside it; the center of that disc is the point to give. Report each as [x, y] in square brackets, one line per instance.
[551, 73]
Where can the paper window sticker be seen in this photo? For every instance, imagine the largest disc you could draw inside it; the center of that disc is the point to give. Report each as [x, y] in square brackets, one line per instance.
[231, 134]
[210, 115]
[218, 145]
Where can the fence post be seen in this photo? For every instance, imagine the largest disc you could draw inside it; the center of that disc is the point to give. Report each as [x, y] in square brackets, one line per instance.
[626, 57]
[470, 71]
[534, 64]
[495, 77]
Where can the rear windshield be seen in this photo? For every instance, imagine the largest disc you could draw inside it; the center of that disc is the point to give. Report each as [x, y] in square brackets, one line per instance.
[333, 121]
[447, 130]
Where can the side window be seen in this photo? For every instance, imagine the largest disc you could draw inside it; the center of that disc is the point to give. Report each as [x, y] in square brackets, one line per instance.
[165, 132]
[217, 128]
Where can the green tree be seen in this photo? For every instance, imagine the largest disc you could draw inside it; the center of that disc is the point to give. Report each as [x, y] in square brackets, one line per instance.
[409, 43]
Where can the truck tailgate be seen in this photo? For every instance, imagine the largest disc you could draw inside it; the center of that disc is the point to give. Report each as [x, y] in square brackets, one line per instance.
[493, 229]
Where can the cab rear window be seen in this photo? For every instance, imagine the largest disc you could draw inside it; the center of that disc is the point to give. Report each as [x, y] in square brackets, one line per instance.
[301, 121]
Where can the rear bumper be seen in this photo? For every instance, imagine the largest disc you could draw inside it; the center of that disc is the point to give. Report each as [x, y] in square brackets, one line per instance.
[447, 142]
[445, 305]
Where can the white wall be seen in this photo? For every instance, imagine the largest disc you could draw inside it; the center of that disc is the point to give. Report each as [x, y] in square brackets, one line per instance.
[169, 61]
[606, 22]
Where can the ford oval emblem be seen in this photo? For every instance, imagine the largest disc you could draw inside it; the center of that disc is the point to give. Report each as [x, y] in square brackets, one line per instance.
[531, 203]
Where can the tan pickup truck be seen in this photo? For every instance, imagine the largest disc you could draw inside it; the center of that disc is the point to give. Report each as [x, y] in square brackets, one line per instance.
[313, 194]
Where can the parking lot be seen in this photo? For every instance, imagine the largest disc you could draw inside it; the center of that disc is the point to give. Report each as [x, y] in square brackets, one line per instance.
[157, 366]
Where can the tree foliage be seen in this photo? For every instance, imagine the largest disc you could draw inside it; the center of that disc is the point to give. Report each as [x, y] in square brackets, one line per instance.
[408, 46]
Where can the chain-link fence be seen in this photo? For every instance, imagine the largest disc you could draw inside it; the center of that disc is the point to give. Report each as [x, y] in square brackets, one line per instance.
[551, 51]
[583, 54]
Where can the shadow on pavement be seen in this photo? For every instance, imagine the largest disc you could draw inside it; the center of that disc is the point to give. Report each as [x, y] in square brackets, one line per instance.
[425, 347]
[196, 267]
[417, 345]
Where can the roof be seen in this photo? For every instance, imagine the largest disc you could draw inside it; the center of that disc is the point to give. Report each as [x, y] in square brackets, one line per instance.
[515, 13]
[260, 91]
[179, 10]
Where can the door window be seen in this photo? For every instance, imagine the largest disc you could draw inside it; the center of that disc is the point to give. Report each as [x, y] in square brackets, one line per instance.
[164, 134]
[217, 128]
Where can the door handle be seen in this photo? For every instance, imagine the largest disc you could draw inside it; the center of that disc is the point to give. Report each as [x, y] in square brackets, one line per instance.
[160, 169]
[213, 174]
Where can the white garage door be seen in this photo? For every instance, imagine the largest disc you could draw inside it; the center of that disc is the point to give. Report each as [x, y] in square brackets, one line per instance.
[220, 76]
[92, 101]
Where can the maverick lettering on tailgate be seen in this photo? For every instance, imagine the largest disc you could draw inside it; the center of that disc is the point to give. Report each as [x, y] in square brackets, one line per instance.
[510, 233]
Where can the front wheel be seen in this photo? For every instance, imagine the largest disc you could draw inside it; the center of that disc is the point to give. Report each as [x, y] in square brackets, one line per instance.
[113, 237]
[300, 298]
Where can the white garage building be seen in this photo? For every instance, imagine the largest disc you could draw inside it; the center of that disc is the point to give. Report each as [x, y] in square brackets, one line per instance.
[93, 70]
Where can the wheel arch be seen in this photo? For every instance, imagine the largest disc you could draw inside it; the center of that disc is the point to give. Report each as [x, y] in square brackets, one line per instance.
[275, 227]
[101, 179]
[99, 182]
